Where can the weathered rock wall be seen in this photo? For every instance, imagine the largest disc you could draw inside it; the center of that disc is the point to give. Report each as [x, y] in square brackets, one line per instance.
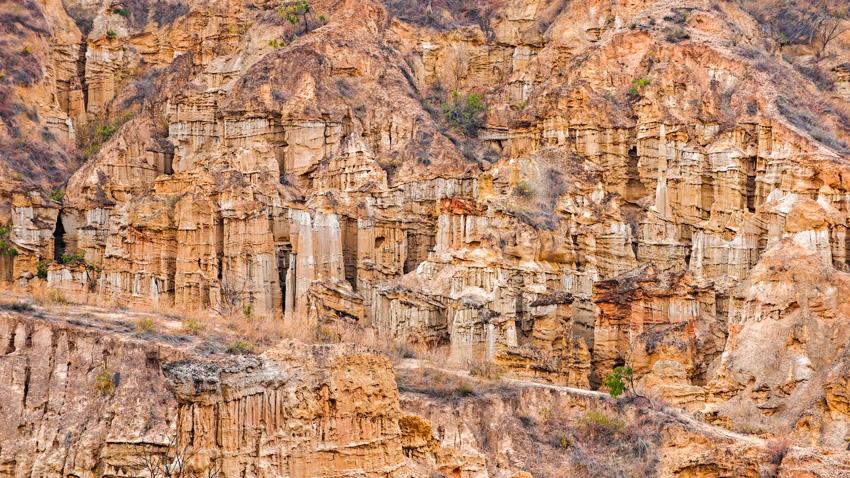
[83, 401]
[635, 163]
[91, 397]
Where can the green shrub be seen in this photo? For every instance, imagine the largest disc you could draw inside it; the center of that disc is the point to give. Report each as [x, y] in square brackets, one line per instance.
[248, 311]
[297, 12]
[111, 34]
[597, 425]
[465, 114]
[6, 248]
[41, 268]
[637, 86]
[121, 11]
[92, 136]
[563, 440]
[56, 195]
[73, 259]
[275, 43]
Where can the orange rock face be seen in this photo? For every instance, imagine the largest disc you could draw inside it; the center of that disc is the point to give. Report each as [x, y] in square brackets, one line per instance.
[551, 188]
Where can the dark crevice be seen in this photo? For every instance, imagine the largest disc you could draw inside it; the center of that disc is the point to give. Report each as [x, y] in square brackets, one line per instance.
[751, 184]
[58, 240]
[349, 250]
[27, 373]
[10, 347]
[81, 72]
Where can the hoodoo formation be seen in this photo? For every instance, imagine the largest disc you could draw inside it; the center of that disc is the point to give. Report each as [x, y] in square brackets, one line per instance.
[424, 238]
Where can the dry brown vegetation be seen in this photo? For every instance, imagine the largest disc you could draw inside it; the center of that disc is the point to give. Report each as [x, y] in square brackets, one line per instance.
[444, 384]
[555, 436]
[816, 24]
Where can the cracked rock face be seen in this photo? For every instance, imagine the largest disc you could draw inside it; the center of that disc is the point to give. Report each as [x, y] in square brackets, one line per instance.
[557, 188]
[79, 402]
[84, 397]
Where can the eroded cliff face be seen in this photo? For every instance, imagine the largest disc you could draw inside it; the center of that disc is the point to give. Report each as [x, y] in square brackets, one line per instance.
[90, 396]
[640, 166]
[83, 400]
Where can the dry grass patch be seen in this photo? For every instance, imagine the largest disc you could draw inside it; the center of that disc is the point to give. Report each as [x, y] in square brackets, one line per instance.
[145, 325]
[444, 385]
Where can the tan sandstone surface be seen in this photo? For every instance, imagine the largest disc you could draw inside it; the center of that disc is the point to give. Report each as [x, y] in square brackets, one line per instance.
[658, 184]
[300, 410]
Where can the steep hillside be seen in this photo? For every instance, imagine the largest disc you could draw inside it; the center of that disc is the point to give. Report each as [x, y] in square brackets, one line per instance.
[549, 188]
[85, 394]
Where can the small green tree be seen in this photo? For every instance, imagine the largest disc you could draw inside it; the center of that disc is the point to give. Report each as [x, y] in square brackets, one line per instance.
[638, 86]
[615, 382]
[41, 268]
[6, 248]
[465, 113]
[623, 380]
[56, 195]
[73, 259]
[297, 12]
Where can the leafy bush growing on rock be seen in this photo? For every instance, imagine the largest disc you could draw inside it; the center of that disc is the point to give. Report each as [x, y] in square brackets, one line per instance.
[56, 195]
[96, 133]
[623, 380]
[41, 269]
[465, 113]
[301, 12]
[6, 248]
[615, 381]
[73, 259]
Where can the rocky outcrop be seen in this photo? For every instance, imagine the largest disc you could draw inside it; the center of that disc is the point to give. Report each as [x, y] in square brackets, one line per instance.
[325, 411]
[537, 431]
[792, 313]
[91, 396]
[553, 188]
[80, 401]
